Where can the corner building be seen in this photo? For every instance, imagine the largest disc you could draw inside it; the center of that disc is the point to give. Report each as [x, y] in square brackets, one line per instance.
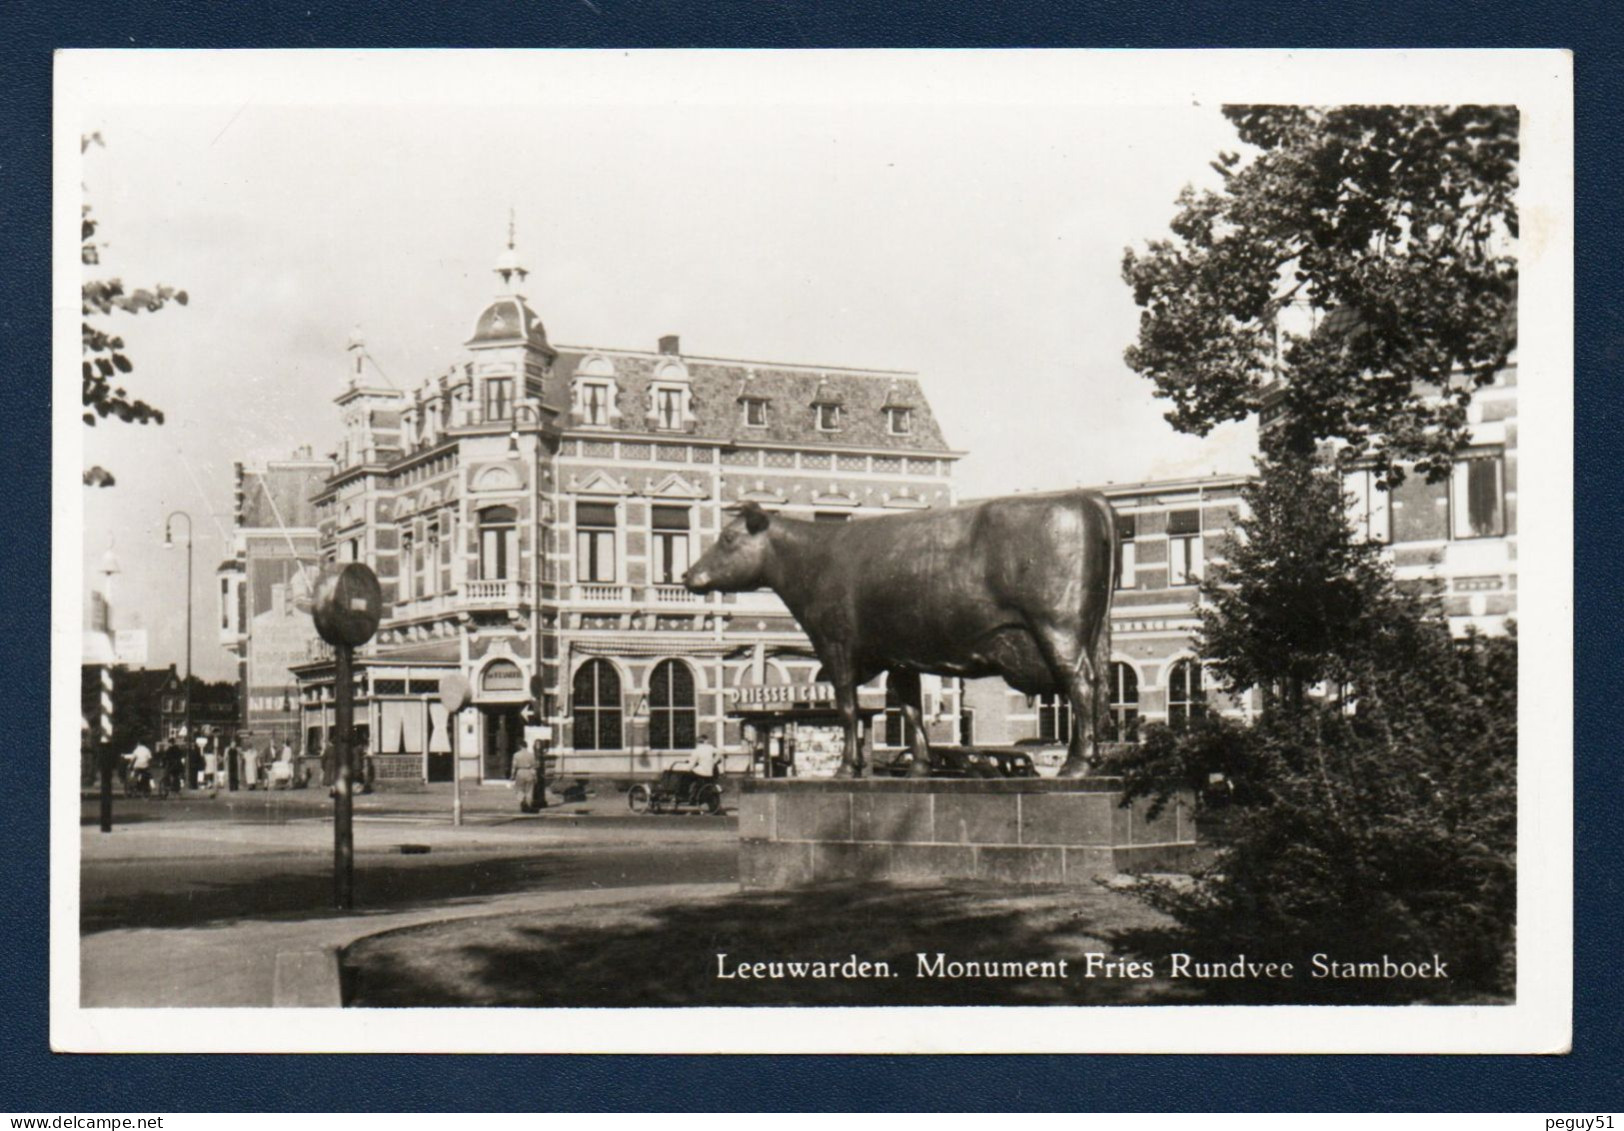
[273, 534]
[530, 513]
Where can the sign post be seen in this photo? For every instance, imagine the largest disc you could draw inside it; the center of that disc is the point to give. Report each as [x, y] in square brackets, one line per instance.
[346, 606]
[454, 696]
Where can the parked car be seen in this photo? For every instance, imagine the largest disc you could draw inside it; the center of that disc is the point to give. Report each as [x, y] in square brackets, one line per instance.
[1014, 763]
[946, 762]
[1047, 755]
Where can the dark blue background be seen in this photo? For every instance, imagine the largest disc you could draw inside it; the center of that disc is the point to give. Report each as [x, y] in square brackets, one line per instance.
[33, 1079]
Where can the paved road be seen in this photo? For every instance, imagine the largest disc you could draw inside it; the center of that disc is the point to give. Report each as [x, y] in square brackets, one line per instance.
[229, 858]
[202, 891]
[191, 902]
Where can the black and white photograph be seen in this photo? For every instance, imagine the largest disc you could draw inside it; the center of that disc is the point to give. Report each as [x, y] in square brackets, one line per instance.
[874, 551]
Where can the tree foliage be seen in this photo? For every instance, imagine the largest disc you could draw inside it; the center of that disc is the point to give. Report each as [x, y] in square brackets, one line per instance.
[1297, 599]
[105, 364]
[1387, 829]
[1375, 817]
[1400, 219]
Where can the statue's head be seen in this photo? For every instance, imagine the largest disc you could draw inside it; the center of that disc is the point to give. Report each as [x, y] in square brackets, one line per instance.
[737, 562]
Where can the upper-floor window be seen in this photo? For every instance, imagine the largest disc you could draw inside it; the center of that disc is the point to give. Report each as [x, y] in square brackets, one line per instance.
[1477, 496]
[595, 542]
[498, 544]
[1368, 509]
[423, 562]
[225, 603]
[670, 544]
[668, 409]
[594, 402]
[408, 546]
[755, 412]
[899, 421]
[1126, 552]
[1184, 547]
[828, 417]
[498, 398]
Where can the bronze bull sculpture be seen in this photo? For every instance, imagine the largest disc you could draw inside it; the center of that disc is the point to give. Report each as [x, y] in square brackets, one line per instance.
[1018, 587]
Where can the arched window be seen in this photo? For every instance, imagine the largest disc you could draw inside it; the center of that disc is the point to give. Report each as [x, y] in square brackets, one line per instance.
[673, 722]
[1123, 723]
[898, 731]
[597, 706]
[1054, 718]
[1186, 698]
[498, 544]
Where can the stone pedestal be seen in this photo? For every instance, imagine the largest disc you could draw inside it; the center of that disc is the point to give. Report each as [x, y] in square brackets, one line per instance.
[1010, 830]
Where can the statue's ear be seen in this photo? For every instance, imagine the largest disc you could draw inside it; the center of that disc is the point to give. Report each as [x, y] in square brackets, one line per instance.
[755, 519]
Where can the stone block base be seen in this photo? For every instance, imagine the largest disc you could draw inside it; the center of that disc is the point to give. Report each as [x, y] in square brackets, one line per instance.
[1019, 832]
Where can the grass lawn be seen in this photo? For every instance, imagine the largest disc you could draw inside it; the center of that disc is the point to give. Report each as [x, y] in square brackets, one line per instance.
[665, 954]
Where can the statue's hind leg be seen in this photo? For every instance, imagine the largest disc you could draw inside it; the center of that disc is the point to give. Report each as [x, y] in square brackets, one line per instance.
[1073, 673]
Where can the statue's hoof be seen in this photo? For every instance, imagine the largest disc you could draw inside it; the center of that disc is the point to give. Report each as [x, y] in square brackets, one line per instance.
[919, 770]
[845, 772]
[1072, 769]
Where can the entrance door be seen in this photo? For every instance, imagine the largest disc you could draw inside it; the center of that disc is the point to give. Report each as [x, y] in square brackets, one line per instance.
[504, 734]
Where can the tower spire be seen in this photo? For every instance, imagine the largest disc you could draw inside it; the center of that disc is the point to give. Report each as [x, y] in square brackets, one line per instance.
[508, 266]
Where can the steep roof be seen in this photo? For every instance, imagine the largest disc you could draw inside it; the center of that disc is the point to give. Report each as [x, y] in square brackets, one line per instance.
[717, 386]
[289, 486]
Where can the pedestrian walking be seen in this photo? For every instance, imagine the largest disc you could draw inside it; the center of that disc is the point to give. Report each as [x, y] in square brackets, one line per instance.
[525, 778]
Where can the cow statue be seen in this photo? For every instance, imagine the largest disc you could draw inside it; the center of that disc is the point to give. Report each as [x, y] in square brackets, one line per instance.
[1018, 587]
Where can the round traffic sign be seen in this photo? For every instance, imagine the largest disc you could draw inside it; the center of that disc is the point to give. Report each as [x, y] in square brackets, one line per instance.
[454, 691]
[347, 604]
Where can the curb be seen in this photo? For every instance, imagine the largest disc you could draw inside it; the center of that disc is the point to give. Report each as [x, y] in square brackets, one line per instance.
[308, 978]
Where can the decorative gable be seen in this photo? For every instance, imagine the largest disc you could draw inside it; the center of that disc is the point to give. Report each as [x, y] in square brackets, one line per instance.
[599, 483]
[674, 486]
[835, 497]
[497, 477]
[759, 492]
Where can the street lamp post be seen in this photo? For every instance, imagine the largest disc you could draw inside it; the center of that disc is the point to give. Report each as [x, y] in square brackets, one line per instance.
[539, 556]
[186, 688]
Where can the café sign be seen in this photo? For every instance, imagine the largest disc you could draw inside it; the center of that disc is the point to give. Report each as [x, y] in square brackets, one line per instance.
[784, 695]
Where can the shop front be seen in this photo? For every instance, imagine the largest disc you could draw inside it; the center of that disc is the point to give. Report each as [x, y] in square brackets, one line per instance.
[795, 730]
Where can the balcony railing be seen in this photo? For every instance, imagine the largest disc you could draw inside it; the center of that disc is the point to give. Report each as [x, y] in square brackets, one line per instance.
[600, 593]
[673, 595]
[496, 593]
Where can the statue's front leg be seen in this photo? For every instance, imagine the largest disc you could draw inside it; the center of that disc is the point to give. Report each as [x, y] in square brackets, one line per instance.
[851, 758]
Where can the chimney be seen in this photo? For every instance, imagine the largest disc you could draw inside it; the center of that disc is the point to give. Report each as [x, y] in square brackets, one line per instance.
[670, 343]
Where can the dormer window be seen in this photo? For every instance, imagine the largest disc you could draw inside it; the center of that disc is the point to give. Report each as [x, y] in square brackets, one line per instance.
[668, 409]
[828, 417]
[755, 412]
[594, 402]
[899, 421]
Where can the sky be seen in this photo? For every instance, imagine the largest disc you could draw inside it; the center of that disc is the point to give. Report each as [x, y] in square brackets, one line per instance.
[975, 241]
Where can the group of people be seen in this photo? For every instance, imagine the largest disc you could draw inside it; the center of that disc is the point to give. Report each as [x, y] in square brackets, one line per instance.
[243, 767]
[261, 768]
